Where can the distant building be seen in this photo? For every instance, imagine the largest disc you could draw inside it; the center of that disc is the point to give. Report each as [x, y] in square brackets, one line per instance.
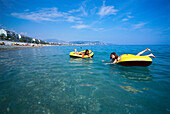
[19, 36]
[39, 40]
[11, 34]
[2, 31]
[33, 39]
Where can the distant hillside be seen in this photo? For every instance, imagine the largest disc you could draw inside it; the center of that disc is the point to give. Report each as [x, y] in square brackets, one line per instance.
[75, 42]
[85, 42]
[110, 44]
[55, 40]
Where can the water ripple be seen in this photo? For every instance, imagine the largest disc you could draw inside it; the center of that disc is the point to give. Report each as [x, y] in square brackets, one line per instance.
[47, 80]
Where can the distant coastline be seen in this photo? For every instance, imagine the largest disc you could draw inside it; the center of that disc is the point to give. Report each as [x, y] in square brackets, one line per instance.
[10, 40]
[12, 45]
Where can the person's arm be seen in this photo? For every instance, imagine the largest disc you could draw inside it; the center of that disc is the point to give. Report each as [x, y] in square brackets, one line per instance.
[89, 56]
[115, 61]
[83, 55]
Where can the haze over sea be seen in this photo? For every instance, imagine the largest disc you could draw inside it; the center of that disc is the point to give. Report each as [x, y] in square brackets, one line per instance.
[47, 80]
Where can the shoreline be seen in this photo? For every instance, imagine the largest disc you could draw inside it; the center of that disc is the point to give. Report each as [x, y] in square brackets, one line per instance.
[8, 47]
[11, 45]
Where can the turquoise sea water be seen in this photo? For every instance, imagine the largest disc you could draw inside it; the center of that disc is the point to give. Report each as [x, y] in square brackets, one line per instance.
[46, 80]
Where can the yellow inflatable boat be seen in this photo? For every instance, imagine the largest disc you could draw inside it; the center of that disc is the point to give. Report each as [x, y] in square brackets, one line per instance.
[132, 60]
[73, 54]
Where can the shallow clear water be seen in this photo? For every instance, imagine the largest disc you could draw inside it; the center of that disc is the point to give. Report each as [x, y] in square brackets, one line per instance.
[47, 80]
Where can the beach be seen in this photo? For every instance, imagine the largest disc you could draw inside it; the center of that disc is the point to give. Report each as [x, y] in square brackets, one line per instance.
[8, 47]
[47, 80]
[11, 45]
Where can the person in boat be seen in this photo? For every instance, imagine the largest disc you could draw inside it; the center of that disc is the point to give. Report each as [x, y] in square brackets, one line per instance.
[114, 57]
[83, 54]
[2, 43]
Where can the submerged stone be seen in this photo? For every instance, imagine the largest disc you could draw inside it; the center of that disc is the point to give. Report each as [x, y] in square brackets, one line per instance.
[130, 89]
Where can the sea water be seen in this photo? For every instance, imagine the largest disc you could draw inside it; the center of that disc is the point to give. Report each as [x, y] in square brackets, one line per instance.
[46, 80]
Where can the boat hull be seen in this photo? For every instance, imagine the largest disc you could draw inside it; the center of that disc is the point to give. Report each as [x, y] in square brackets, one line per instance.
[132, 60]
[74, 55]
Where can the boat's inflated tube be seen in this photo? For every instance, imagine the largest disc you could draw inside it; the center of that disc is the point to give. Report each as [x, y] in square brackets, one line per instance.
[73, 54]
[132, 60]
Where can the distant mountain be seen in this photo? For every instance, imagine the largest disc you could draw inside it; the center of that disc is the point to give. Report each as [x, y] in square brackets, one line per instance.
[75, 42]
[54, 40]
[85, 42]
[110, 44]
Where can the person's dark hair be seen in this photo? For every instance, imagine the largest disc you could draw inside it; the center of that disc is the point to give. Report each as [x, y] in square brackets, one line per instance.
[116, 56]
[86, 52]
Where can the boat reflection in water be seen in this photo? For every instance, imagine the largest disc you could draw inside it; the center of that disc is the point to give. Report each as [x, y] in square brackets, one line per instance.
[80, 60]
[133, 73]
[132, 79]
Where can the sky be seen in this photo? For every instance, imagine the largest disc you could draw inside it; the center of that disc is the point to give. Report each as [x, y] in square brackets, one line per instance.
[134, 22]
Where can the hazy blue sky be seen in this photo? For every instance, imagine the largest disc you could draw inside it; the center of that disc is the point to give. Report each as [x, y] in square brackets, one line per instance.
[110, 21]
